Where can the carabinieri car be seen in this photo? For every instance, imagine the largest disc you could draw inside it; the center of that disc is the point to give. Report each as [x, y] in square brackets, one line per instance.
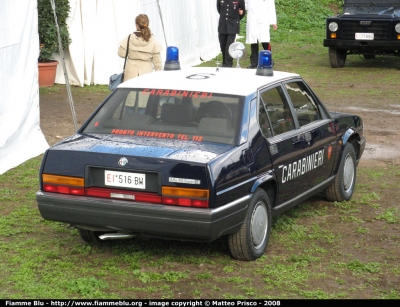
[200, 154]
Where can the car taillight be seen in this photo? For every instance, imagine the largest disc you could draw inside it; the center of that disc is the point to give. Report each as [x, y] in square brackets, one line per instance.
[63, 180]
[174, 196]
[185, 197]
[63, 184]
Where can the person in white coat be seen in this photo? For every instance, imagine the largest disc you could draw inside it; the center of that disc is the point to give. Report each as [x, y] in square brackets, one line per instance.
[261, 14]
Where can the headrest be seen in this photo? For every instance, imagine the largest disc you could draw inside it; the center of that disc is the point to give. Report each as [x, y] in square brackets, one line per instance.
[216, 127]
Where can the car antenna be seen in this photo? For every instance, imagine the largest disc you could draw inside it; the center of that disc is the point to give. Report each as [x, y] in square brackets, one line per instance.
[217, 62]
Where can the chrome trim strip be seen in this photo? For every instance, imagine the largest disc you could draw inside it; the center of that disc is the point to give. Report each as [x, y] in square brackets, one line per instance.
[236, 185]
[244, 182]
[232, 204]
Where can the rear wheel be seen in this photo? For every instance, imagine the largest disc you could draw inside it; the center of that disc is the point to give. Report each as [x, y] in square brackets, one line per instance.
[343, 186]
[250, 242]
[337, 57]
[90, 236]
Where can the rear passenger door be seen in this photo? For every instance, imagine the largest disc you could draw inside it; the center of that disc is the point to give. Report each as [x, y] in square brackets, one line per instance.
[299, 134]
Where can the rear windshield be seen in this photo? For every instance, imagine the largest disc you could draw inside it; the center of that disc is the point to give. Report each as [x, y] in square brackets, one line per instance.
[169, 114]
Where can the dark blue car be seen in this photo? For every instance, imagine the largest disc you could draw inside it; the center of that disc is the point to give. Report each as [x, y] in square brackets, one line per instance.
[200, 154]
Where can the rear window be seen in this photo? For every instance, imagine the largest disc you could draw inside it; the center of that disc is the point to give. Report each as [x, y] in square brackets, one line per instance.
[169, 114]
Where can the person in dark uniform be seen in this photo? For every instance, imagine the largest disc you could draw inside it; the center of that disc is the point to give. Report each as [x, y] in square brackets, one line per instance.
[230, 14]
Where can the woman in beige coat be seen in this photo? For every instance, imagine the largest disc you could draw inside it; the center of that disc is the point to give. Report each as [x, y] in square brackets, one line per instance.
[144, 50]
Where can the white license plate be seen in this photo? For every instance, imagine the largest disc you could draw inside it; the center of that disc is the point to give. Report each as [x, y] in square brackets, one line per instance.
[365, 36]
[125, 180]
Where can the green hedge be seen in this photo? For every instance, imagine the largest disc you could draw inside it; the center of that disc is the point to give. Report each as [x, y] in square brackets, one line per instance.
[48, 36]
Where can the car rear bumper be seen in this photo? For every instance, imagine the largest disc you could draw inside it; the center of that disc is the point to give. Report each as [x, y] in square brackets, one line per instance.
[141, 218]
[363, 45]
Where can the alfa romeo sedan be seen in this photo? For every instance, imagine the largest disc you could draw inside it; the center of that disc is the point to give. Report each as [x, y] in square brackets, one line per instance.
[200, 154]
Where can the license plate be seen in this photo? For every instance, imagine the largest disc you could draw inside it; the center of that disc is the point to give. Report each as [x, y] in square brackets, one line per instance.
[125, 180]
[365, 36]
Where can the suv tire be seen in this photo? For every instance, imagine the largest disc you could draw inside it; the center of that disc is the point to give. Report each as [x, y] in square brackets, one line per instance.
[337, 57]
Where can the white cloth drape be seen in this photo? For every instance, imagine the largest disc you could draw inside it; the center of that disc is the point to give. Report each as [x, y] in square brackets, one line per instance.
[20, 137]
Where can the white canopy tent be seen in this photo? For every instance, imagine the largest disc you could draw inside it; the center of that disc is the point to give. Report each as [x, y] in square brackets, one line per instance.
[96, 28]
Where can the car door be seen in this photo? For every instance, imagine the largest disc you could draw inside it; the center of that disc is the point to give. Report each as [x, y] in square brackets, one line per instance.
[298, 149]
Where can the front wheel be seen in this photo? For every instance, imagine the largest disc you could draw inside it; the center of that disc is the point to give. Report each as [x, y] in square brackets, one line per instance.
[337, 57]
[343, 186]
[250, 242]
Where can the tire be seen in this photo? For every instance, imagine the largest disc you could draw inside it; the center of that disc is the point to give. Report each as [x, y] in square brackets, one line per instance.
[369, 56]
[337, 57]
[343, 186]
[90, 236]
[250, 242]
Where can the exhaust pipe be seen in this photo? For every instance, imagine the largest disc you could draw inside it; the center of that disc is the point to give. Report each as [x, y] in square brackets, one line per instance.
[116, 236]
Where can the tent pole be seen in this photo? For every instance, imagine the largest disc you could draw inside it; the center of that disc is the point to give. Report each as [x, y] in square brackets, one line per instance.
[162, 23]
[71, 102]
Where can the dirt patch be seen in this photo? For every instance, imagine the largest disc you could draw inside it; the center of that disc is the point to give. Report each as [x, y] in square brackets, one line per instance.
[382, 133]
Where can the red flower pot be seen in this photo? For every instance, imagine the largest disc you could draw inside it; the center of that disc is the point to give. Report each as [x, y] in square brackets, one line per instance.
[47, 73]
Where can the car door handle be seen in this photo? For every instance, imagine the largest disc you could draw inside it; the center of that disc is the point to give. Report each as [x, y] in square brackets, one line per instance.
[307, 136]
[273, 149]
[302, 139]
[298, 141]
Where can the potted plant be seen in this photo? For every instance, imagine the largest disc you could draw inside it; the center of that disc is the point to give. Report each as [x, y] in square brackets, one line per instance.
[48, 37]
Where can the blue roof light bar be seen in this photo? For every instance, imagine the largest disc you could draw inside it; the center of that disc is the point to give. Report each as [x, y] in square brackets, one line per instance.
[265, 64]
[172, 61]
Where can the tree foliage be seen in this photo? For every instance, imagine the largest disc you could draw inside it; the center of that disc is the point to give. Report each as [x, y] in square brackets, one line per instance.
[48, 36]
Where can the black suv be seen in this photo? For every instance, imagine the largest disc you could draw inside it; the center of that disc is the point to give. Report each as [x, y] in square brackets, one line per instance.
[365, 27]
